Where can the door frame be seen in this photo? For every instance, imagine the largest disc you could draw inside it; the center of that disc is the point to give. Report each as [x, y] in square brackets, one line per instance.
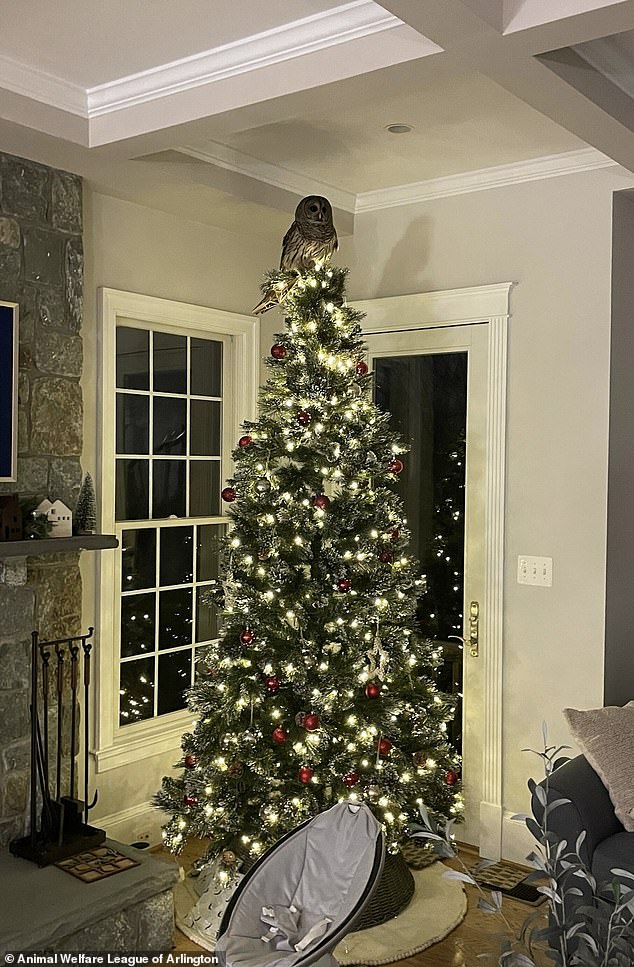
[489, 305]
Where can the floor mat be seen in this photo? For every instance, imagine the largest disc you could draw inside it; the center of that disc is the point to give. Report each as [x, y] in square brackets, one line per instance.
[510, 881]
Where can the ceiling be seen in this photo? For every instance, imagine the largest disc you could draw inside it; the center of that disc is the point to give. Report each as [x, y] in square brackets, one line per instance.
[228, 109]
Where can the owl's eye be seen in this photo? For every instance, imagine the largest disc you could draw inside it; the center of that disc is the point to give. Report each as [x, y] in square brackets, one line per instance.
[313, 208]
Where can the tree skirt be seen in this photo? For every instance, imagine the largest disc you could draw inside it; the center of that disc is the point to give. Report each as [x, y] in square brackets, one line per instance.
[437, 907]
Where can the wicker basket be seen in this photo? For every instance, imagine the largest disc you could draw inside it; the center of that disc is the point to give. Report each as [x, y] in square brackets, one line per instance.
[395, 890]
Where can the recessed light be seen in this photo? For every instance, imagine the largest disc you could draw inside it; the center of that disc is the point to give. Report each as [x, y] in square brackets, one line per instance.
[399, 128]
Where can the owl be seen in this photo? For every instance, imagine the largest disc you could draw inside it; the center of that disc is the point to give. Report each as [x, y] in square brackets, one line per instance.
[311, 238]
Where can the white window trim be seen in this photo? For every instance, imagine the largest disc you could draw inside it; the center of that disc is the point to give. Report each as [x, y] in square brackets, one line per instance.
[114, 746]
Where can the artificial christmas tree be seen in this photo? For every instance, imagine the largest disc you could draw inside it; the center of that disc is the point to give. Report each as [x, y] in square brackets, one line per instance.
[86, 509]
[318, 688]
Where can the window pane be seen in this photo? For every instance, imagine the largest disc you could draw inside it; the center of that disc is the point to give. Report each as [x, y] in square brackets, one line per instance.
[177, 555]
[138, 559]
[209, 540]
[137, 624]
[207, 623]
[205, 428]
[132, 487]
[175, 618]
[137, 691]
[174, 679]
[132, 424]
[170, 363]
[170, 425]
[168, 490]
[204, 488]
[206, 365]
[133, 367]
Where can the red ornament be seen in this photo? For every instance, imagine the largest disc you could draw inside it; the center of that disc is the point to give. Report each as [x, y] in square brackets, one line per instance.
[396, 534]
[321, 502]
[344, 585]
[280, 735]
[247, 636]
[304, 417]
[272, 684]
[190, 800]
[395, 465]
[264, 554]
[245, 441]
[451, 777]
[361, 368]
[373, 689]
[191, 761]
[278, 351]
[229, 495]
[305, 774]
[385, 556]
[351, 779]
[311, 722]
[384, 746]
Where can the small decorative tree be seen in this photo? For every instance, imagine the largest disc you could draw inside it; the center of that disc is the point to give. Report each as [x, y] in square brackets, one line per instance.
[86, 509]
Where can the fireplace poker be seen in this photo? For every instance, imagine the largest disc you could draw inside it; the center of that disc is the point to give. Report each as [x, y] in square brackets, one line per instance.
[74, 651]
[59, 651]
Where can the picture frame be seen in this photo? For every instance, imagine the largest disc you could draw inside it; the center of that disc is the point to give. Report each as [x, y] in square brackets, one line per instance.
[9, 312]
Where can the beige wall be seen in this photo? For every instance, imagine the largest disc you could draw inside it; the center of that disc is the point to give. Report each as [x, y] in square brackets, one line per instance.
[553, 238]
[138, 249]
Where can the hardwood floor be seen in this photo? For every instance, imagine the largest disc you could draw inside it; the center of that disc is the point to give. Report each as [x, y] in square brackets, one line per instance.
[479, 932]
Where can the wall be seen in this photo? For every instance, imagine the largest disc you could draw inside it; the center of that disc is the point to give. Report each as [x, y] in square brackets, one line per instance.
[41, 268]
[138, 249]
[553, 238]
[619, 667]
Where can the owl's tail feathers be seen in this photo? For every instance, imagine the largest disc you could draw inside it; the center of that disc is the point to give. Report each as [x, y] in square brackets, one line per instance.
[277, 286]
[268, 300]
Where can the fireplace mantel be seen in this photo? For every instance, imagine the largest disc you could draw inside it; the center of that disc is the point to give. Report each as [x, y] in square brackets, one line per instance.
[57, 545]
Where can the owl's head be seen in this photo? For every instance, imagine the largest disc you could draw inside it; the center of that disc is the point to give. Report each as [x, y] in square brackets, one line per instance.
[314, 208]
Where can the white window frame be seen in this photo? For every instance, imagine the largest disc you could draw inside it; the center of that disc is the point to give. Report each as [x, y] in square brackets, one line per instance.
[116, 745]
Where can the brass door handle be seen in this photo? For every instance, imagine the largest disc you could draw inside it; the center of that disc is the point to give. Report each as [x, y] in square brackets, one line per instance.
[474, 629]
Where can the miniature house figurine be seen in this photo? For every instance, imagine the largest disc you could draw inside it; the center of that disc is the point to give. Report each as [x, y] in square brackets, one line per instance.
[10, 518]
[59, 517]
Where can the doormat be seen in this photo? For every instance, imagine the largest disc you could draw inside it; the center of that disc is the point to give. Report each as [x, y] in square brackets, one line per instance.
[418, 855]
[510, 881]
[97, 864]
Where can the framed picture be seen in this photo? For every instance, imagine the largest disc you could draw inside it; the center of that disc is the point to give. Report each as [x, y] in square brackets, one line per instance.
[8, 391]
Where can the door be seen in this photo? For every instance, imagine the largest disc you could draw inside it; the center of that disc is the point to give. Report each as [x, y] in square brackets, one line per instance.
[434, 383]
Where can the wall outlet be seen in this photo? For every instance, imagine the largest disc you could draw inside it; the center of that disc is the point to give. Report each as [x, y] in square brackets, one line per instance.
[537, 571]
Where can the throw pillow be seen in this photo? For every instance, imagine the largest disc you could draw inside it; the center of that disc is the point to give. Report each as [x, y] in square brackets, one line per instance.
[606, 738]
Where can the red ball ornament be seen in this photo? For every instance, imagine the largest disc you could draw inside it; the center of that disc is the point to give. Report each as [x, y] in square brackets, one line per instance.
[278, 351]
[229, 495]
[351, 779]
[395, 535]
[451, 777]
[305, 774]
[280, 735]
[245, 441]
[344, 585]
[385, 556]
[191, 761]
[373, 689]
[247, 636]
[395, 465]
[190, 800]
[361, 368]
[321, 502]
[304, 417]
[311, 722]
[384, 746]
[272, 684]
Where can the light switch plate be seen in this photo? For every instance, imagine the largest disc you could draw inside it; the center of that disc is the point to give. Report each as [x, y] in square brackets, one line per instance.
[537, 571]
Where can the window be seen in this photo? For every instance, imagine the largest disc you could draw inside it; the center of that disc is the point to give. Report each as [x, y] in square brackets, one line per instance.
[173, 394]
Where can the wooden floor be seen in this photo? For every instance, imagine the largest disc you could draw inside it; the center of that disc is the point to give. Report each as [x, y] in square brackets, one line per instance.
[479, 932]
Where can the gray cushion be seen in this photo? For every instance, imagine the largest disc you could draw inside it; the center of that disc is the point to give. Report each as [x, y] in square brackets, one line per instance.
[615, 852]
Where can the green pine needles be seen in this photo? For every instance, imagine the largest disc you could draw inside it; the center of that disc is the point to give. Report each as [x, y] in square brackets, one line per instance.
[319, 688]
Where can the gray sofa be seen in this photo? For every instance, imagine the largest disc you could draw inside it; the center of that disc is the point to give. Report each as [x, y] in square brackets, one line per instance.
[607, 845]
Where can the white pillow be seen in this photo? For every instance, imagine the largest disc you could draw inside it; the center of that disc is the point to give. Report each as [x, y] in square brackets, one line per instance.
[606, 738]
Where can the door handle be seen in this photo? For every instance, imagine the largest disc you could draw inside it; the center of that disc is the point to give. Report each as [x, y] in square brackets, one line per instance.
[474, 629]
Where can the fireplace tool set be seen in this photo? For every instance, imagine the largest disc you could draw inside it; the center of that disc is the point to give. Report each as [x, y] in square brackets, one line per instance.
[64, 829]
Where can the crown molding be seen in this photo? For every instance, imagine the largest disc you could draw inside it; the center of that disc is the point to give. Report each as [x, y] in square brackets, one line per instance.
[348, 22]
[40, 86]
[548, 166]
[226, 157]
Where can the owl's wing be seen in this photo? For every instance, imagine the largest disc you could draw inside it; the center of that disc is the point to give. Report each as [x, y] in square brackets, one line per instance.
[289, 248]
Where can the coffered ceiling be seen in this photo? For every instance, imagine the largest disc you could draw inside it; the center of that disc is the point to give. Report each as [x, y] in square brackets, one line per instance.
[216, 108]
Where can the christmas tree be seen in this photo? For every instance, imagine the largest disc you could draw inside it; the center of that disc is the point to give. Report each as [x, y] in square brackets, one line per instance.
[86, 510]
[318, 688]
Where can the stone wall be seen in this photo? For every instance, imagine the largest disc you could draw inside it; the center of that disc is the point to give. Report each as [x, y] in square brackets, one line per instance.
[41, 268]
